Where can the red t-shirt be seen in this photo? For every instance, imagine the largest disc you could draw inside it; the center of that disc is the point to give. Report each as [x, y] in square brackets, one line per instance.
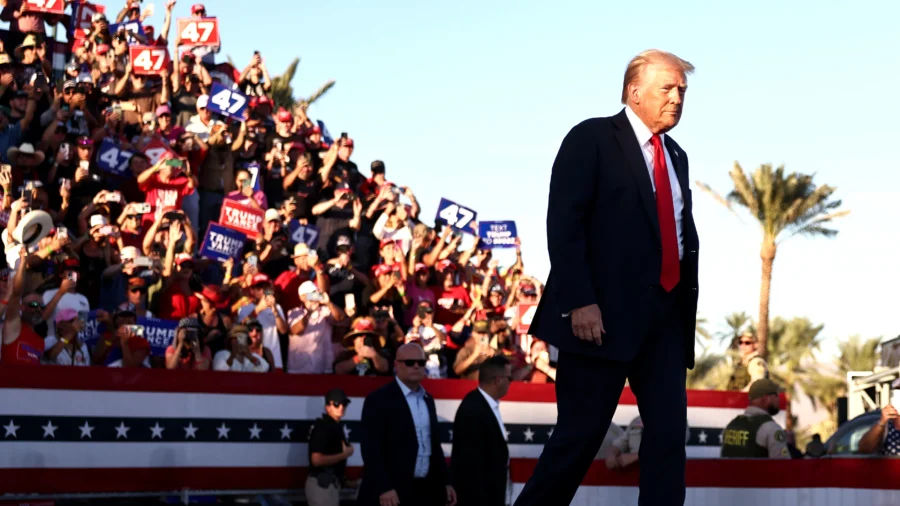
[175, 304]
[161, 195]
[26, 349]
[286, 285]
[445, 299]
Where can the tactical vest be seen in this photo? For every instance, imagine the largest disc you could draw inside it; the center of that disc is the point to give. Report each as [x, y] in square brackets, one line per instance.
[739, 437]
[740, 378]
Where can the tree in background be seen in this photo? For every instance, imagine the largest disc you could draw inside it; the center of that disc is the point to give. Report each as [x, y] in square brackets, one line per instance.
[784, 205]
[791, 361]
[283, 92]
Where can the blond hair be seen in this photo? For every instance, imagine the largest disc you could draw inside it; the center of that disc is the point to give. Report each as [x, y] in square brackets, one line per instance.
[637, 65]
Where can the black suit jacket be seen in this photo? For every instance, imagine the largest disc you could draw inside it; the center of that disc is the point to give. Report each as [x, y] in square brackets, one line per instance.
[604, 241]
[478, 464]
[389, 448]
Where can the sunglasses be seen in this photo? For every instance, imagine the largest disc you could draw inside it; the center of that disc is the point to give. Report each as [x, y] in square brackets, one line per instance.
[137, 290]
[133, 216]
[412, 362]
[337, 404]
[34, 305]
[745, 343]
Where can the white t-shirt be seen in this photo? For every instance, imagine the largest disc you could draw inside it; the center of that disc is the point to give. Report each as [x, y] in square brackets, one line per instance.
[220, 363]
[311, 352]
[270, 331]
[75, 301]
[82, 357]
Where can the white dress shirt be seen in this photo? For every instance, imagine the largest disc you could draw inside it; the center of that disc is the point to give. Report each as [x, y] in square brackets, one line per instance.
[419, 409]
[643, 135]
[495, 407]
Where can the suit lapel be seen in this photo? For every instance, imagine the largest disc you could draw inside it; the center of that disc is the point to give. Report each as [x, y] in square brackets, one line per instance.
[398, 392]
[678, 162]
[632, 150]
[489, 413]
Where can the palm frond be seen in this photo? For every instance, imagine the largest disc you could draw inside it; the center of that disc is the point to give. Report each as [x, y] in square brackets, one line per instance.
[319, 93]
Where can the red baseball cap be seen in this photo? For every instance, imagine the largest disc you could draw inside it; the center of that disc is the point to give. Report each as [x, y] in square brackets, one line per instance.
[443, 265]
[259, 279]
[197, 8]
[385, 242]
[421, 267]
[284, 116]
[182, 258]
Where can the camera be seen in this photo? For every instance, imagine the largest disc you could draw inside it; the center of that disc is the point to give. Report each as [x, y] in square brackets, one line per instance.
[137, 330]
[243, 340]
[173, 216]
[142, 208]
[314, 297]
[381, 314]
[114, 197]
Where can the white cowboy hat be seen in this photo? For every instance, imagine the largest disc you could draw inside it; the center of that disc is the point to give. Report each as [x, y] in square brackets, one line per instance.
[25, 149]
[33, 227]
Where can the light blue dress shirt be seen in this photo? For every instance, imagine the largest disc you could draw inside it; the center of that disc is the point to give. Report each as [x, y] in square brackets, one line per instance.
[421, 419]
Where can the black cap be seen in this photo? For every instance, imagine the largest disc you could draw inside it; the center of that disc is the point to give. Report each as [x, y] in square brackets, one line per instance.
[337, 395]
[378, 167]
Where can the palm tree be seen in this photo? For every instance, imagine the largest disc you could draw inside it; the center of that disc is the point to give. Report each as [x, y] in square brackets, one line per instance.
[784, 205]
[283, 92]
[791, 350]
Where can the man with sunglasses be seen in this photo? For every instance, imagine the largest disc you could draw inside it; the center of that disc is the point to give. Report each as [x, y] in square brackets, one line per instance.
[328, 452]
[20, 343]
[751, 366]
[403, 461]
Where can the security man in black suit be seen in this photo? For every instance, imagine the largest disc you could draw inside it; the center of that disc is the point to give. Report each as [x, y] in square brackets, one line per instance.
[479, 463]
[403, 462]
[621, 297]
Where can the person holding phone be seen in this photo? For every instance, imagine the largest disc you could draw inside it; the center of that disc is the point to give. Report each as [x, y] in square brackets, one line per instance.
[166, 184]
[188, 351]
[245, 194]
[238, 357]
[309, 345]
[884, 437]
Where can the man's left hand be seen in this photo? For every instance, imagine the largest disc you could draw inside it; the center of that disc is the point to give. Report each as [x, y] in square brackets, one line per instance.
[451, 496]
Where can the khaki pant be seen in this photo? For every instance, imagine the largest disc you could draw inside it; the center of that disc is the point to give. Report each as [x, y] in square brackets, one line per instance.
[318, 496]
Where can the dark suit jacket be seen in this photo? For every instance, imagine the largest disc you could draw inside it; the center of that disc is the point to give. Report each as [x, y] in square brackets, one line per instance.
[604, 241]
[389, 448]
[480, 455]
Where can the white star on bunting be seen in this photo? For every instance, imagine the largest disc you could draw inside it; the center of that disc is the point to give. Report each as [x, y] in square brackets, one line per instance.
[505, 433]
[254, 431]
[549, 433]
[223, 431]
[529, 435]
[702, 437]
[346, 432]
[721, 434]
[156, 431]
[451, 434]
[286, 432]
[190, 431]
[49, 429]
[122, 431]
[86, 430]
[11, 429]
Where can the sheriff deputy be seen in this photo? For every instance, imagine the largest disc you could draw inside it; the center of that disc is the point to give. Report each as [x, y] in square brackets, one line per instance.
[754, 434]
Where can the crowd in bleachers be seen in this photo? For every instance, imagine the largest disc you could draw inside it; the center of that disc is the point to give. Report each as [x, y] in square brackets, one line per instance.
[157, 215]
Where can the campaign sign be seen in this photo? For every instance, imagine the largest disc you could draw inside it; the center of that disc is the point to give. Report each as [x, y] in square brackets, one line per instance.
[497, 234]
[156, 149]
[130, 27]
[92, 329]
[85, 11]
[198, 32]
[243, 218]
[458, 217]
[222, 243]
[228, 102]
[113, 159]
[526, 314]
[45, 6]
[159, 333]
[148, 60]
[307, 234]
[253, 169]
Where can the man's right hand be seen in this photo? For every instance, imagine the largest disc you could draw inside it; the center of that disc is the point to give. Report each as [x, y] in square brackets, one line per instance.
[389, 498]
[587, 324]
[348, 450]
[888, 413]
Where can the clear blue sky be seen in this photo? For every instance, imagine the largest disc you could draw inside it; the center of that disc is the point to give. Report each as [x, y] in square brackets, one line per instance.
[470, 100]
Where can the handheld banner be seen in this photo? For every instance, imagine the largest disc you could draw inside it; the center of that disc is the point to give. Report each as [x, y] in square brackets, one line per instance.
[458, 217]
[228, 102]
[198, 32]
[159, 333]
[148, 60]
[112, 158]
[222, 243]
[497, 234]
[307, 234]
[242, 218]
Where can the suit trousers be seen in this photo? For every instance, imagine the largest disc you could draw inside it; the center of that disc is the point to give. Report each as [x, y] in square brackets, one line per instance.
[588, 391]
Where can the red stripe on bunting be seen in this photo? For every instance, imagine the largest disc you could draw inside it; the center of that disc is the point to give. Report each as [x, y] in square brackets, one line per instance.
[278, 383]
[859, 473]
[807, 473]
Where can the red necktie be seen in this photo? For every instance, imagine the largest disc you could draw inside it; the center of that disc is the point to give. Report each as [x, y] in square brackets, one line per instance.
[665, 209]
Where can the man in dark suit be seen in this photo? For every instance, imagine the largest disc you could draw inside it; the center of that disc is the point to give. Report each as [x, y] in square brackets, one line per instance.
[621, 297]
[480, 458]
[403, 462]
